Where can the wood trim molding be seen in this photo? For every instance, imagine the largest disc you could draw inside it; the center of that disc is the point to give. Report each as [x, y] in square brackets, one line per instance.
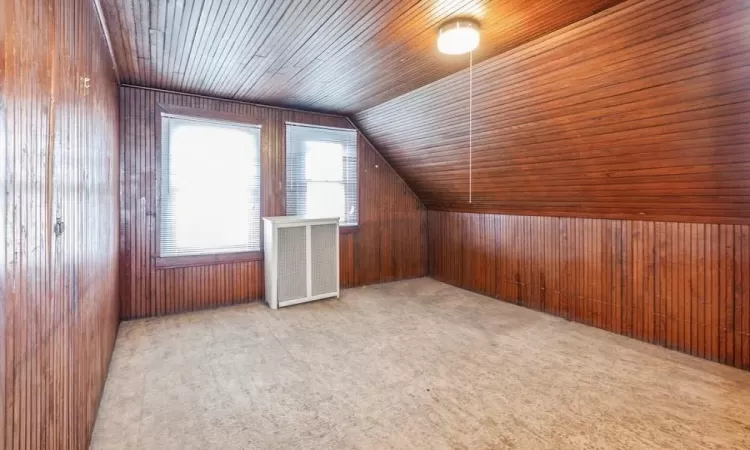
[218, 116]
[107, 37]
[348, 229]
[172, 262]
[231, 100]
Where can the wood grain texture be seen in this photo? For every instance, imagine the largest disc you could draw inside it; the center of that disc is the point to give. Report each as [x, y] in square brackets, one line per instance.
[332, 55]
[684, 286]
[389, 244]
[58, 159]
[636, 113]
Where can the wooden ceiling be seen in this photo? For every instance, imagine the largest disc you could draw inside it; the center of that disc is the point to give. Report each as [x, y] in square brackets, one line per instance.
[338, 56]
[639, 112]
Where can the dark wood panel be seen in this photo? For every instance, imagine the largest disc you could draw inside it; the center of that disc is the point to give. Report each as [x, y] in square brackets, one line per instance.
[58, 159]
[333, 55]
[684, 286]
[5, 365]
[638, 112]
[389, 244]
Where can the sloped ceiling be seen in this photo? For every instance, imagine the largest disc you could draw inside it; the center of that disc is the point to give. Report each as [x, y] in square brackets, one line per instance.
[638, 112]
[339, 56]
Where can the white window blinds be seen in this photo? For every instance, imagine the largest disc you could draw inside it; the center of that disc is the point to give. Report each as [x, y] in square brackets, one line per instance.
[321, 172]
[210, 187]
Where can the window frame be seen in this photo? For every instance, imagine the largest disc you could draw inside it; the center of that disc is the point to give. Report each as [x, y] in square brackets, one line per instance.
[164, 111]
[343, 229]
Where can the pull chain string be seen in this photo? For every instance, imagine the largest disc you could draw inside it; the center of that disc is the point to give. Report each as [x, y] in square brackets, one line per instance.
[471, 82]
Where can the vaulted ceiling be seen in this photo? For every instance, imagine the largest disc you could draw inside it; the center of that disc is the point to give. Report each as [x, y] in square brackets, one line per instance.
[583, 108]
[340, 56]
[639, 112]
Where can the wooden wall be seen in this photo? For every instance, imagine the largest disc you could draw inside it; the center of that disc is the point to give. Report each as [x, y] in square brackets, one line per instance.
[637, 112]
[389, 244]
[685, 286]
[58, 158]
[610, 173]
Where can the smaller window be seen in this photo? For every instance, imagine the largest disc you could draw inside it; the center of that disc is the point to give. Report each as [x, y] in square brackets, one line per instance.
[210, 187]
[321, 172]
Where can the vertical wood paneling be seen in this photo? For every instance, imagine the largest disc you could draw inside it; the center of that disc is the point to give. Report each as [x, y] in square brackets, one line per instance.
[389, 244]
[5, 366]
[684, 286]
[58, 159]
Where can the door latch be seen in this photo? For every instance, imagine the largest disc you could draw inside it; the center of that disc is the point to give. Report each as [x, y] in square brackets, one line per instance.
[59, 227]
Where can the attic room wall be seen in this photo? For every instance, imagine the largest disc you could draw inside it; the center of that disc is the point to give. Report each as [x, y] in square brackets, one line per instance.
[636, 115]
[389, 244]
[58, 158]
[637, 112]
[685, 286]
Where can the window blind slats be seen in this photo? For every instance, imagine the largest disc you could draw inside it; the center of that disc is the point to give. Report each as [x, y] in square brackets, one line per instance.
[210, 187]
[321, 172]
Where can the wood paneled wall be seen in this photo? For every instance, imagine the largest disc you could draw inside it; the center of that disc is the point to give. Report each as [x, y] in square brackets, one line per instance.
[638, 112]
[684, 286]
[58, 159]
[389, 244]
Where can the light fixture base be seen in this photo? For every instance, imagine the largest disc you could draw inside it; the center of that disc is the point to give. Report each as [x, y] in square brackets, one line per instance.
[458, 36]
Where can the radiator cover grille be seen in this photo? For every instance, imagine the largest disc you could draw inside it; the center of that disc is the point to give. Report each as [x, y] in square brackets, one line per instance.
[301, 259]
[292, 270]
[323, 239]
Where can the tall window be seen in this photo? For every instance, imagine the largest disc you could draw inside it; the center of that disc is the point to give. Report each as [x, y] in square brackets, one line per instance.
[210, 187]
[321, 172]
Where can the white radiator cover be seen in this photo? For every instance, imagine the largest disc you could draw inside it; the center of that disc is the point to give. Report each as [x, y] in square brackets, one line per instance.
[301, 257]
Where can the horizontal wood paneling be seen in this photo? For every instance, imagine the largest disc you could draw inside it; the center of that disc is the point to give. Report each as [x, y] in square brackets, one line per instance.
[58, 159]
[638, 112]
[389, 244]
[334, 55]
[685, 286]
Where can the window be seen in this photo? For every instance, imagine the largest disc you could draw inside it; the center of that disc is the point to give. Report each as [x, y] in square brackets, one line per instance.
[321, 172]
[210, 187]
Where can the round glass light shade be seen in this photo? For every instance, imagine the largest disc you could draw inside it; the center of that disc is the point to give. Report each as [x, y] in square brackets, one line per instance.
[458, 37]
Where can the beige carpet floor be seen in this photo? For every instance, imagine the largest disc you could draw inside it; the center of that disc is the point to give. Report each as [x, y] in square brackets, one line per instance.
[412, 364]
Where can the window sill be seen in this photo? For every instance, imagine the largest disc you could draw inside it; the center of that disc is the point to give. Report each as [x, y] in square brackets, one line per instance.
[172, 262]
[348, 229]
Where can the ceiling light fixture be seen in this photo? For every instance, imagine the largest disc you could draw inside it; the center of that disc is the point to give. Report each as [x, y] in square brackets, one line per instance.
[458, 36]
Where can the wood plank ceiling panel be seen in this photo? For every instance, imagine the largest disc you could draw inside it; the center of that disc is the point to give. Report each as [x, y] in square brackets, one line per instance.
[639, 112]
[329, 55]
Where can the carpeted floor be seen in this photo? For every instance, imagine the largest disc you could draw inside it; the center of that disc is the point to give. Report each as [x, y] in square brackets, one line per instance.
[412, 364]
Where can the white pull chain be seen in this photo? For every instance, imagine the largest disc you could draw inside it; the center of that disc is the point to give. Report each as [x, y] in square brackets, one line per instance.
[471, 81]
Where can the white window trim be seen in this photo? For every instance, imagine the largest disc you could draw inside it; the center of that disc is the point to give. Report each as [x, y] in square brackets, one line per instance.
[342, 226]
[164, 149]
